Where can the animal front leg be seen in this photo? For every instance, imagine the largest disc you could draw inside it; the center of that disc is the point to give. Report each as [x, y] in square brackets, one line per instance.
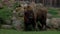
[43, 24]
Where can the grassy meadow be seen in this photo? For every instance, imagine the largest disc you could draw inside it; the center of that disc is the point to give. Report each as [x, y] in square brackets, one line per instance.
[3, 31]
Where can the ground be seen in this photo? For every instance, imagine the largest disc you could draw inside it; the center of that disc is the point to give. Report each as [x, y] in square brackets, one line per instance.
[4, 31]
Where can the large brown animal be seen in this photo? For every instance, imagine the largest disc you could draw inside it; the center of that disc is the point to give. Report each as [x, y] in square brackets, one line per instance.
[39, 15]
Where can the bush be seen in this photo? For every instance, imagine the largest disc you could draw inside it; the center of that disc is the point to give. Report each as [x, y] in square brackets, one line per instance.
[5, 13]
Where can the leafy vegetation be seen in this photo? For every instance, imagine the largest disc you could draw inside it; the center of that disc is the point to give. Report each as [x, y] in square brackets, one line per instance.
[5, 13]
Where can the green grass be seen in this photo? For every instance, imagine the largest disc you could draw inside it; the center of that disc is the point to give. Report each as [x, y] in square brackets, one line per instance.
[31, 32]
[54, 12]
